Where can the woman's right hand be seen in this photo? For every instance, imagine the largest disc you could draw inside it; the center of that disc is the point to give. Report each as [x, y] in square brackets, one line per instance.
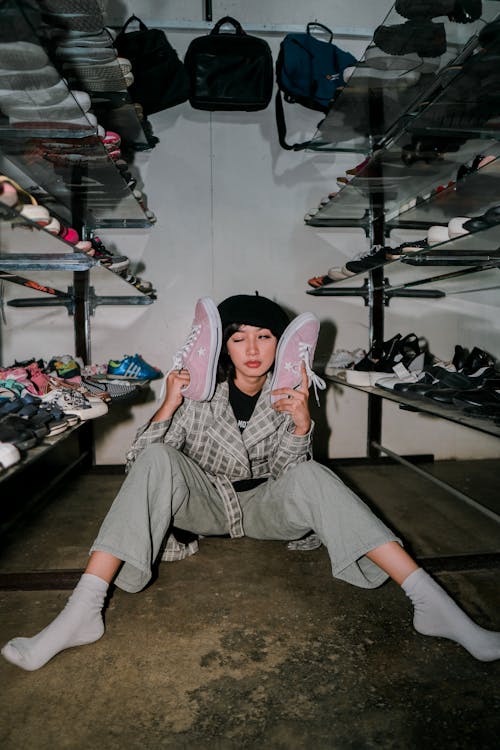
[176, 381]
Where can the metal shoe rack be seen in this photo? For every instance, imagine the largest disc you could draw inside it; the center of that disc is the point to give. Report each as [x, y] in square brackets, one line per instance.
[378, 119]
[80, 184]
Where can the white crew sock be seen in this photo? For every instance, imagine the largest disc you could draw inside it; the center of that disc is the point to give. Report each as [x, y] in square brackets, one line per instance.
[435, 613]
[79, 623]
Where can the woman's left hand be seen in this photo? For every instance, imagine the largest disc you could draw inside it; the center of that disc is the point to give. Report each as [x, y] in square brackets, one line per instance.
[296, 403]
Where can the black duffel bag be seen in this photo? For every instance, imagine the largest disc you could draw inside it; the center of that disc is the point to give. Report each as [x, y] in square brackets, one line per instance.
[229, 70]
[160, 79]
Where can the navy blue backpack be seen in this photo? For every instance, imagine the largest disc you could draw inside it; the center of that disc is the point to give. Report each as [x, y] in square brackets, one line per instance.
[308, 72]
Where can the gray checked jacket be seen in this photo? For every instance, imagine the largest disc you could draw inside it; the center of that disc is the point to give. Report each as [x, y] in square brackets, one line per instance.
[207, 432]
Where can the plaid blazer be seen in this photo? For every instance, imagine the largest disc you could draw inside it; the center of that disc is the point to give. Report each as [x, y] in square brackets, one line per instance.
[207, 432]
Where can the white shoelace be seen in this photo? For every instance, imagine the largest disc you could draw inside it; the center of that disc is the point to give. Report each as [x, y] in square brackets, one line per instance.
[180, 356]
[317, 382]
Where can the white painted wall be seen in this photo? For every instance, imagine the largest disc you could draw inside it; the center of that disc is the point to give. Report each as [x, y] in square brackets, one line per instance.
[230, 205]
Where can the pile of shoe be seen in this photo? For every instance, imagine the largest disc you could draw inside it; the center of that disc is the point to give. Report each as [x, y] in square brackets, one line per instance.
[404, 354]
[83, 48]
[31, 90]
[35, 405]
[470, 382]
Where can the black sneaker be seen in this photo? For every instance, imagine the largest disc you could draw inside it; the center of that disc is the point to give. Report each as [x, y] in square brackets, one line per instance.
[466, 11]
[424, 8]
[489, 36]
[477, 362]
[376, 257]
[424, 37]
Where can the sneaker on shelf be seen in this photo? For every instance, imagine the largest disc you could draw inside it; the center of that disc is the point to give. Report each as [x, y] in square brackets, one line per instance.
[424, 8]
[426, 38]
[94, 370]
[399, 354]
[8, 194]
[117, 390]
[199, 354]
[342, 359]
[10, 388]
[132, 368]
[296, 347]
[317, 282]
[20, 376]
[377, 256]
[40, 379]
[64, 366]
[20, 436]
[9, 455]
[71, 402]
[466, 11]
[464, 224]
[106, 258]
[73, 385]
[142, 285]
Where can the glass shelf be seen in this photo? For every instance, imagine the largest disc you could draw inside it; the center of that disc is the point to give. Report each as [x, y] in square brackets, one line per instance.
[407, 192]
[46, 131]
[54, 262]
[374, 101]
[47, 63]
[81, 177]
[427, 406]
[477, 253]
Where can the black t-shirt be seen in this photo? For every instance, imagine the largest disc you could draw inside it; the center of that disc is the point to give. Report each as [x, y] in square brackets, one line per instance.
[243, 407]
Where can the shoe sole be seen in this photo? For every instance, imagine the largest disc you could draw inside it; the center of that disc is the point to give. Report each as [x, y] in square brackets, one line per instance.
[216, 324]
[363, 378]
[216, 330]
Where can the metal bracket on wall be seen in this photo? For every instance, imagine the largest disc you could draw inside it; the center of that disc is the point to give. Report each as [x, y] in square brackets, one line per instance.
[364, 292]
[94, 301]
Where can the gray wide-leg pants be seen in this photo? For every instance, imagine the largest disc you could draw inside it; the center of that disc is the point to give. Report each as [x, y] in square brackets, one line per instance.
[164, 485]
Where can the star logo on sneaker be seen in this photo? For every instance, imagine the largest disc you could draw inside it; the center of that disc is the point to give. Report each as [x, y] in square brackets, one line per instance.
[202, 351]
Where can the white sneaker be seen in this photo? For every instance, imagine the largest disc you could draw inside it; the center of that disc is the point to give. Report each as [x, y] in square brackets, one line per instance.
[342, 359]
[9, 456]
[73, 402]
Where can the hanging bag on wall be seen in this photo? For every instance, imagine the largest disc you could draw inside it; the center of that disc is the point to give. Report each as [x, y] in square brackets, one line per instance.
[229, 70]
[308, 72]
[160, 80]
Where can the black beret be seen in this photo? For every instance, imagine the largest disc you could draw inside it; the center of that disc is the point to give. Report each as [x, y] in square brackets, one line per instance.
[253, 310]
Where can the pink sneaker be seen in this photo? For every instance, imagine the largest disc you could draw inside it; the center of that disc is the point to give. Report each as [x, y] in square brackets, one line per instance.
[40, 380]
[200, 353]
[297, 345]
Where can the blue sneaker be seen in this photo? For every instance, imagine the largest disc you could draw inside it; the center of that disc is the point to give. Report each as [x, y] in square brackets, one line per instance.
[133, 368]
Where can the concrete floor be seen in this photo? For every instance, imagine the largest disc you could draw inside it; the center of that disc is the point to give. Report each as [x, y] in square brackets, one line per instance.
[249, 645]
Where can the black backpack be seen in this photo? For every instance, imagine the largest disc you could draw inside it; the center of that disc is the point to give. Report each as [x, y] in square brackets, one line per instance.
[160, 80]
[308, 72]
[229, 70]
